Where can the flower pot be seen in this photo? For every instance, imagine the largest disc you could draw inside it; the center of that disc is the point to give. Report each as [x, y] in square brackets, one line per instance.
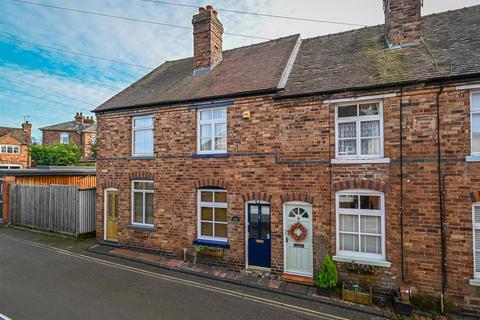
[402, 307]
[357, 297]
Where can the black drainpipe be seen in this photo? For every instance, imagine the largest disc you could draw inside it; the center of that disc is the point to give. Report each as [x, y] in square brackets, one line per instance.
[441, 193]
[402, 245]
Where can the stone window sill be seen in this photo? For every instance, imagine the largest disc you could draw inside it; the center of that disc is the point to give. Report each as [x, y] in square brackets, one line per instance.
[138, 227]
[362, 260]
[211, 155]
[360, 161]
[141, 158]
[211, 243]
[474, 282]
[472, 158]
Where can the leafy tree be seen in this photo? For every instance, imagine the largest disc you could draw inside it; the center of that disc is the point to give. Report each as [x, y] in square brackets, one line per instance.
[327, 277]
[93, 148]
[55, 154]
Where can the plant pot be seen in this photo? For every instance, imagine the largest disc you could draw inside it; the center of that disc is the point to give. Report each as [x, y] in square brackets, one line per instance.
[326, 292]
[402, 307]
[357, 297]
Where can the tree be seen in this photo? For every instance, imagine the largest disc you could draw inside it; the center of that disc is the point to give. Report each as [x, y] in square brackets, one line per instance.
[55, 154]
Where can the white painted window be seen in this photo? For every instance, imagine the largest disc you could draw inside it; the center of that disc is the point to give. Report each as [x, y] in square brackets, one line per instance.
[142, 202]
[212, 131]
[212, 214]
[359, 130]
[64, 138]
[142, 134]
[476, 240]
[10, 166]
[360, 224]
[9, 149]
[475, 122]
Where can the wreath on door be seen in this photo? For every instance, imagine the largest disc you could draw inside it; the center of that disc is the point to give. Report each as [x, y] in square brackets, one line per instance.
[297, 231]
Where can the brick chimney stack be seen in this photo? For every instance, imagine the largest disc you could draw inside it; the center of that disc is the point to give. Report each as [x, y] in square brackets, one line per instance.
[79, 117]
[403, 22]
[88, 120]
[207, 40]
[27, 126]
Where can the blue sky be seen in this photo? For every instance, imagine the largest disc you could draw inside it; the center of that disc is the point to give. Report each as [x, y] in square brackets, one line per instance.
[50, 86]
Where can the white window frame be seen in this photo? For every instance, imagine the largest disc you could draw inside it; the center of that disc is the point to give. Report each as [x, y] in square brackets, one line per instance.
[358, 255]
[9, 166]
[15, 148]
[62, 136]
[472, 111]
[212, 123]
[210, 205]
[358, 119]
[143, 210]
[142, 129]
[475, 226]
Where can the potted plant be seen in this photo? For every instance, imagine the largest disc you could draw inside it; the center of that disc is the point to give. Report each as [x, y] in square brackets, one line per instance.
[357, 293]
[361, 268]
[327, 278]
[209, 251]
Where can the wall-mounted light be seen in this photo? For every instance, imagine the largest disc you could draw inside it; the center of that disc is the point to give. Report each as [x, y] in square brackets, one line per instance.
[246, 115]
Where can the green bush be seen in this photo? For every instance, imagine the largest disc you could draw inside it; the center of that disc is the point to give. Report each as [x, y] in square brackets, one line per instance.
[327, 277]
[55, 154]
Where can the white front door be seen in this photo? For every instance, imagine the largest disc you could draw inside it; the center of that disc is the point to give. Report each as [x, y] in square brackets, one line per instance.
[298, 254]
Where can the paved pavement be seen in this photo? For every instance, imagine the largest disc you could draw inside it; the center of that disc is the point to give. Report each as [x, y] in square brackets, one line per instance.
[45, 277]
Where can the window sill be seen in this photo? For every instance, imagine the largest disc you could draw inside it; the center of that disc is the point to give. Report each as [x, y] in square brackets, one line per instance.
[362, 260]
[474, 282]
[211, 155]
[472, 158]
[360, 161]
[141, 157]
[212, 243]
[138, 227]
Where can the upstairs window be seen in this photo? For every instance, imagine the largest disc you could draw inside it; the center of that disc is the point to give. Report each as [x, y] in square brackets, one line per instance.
[9, 149]
[143, 136]
[64, 138]
[212, 131]
[475, 122]
[359, 131]
[212, 214]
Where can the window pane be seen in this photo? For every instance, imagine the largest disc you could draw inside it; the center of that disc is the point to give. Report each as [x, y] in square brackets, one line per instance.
[149, 208]
[220, 144]
[207, 213]
[111, 212]
[348, 223]
[371, 146]
[370, 202]
[371, 244]
[143, 142]
[369, 109]
[371, 224]
[476, 132]
[370, 128]
[476, 100]
[221, 214]
[221, 197]
[220, 114]
[347, 147]
[206, 115]
[349, 242]
[206, 196]
[347, 130]
[205, 130]
[220, 129]
[138, 207]
[139, 185]
[143, 122]
[265, 228]
[347, 111]
[207, 229]
[221, 230]
[348, 201]
[254, 227]
[148, 185]
[206, 144]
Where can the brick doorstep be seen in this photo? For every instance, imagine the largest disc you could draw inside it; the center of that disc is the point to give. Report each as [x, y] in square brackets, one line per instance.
[223, 274]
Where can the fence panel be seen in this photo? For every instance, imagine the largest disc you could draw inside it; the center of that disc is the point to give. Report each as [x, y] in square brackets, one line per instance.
[87, 211]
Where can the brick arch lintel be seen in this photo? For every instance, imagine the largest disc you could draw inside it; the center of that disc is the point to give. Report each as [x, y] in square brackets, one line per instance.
[474, 196]
[211, 182]
[257, 196]
[141, 175]
[360, 183]
[110, 184]
[297, 196]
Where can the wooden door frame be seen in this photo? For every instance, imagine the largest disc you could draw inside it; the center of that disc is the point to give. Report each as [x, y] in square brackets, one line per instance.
[295, 203]
[247, 236]
[105, 191]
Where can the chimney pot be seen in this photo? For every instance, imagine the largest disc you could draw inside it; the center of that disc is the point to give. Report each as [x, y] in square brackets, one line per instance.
[209, 7]
[201, 10]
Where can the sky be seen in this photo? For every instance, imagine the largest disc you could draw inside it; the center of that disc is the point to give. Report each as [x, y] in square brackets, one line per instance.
[48, 86]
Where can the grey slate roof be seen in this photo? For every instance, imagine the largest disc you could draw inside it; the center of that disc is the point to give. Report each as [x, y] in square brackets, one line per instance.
[18, 133]
[69, 126]
[246, 69]
[358, 58]
[51, 171]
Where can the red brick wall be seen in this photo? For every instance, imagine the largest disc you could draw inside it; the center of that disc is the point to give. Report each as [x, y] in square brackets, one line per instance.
[286, 147]
[21, 159]
[80, 139]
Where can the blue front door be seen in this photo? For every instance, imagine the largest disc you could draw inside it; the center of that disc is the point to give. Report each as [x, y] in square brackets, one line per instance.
[259, 242]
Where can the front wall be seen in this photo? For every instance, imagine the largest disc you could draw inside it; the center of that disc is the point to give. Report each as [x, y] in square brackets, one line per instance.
[285, 148]
[21, 159]
[53, 137]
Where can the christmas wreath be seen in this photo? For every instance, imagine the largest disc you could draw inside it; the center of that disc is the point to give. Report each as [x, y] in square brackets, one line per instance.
[297, 231]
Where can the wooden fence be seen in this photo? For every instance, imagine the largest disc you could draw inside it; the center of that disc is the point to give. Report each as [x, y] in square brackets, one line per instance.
[63, 209]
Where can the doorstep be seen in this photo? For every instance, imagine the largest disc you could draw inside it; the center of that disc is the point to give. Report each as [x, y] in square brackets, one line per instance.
[298, 279]
[292, 288]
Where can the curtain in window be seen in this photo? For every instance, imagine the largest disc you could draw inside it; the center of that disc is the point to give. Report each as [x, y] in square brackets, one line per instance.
[370, 133]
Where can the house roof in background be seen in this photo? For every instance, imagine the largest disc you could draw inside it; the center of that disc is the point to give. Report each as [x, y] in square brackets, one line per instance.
[359, 58]
[17, 133]
[70, 126]
[251, 68]
[50, 171]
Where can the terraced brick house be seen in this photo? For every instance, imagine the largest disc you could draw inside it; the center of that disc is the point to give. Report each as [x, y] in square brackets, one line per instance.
[362, 144]
[14, 144]
[82, 131]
